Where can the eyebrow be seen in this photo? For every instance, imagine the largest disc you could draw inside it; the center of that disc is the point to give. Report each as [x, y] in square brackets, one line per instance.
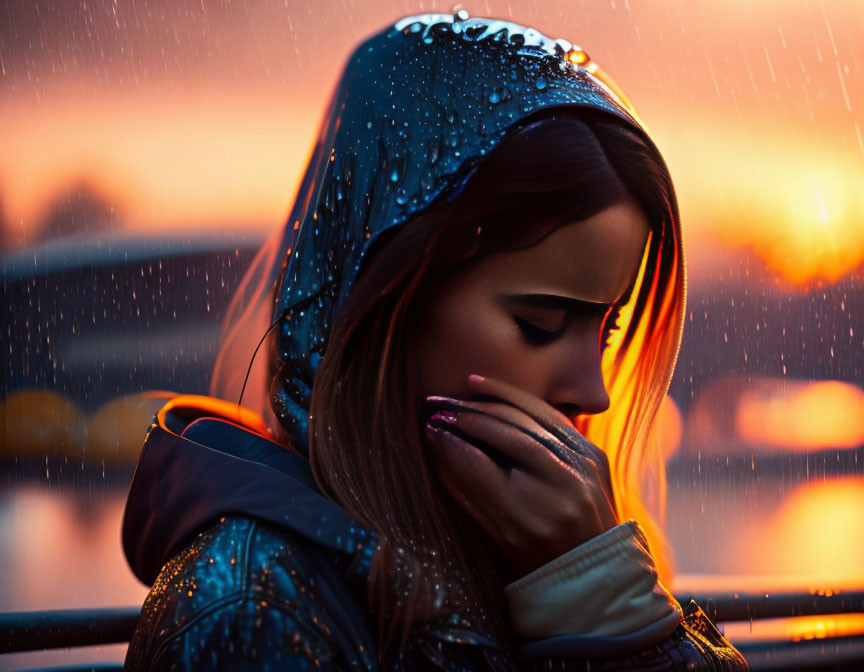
[556, 302]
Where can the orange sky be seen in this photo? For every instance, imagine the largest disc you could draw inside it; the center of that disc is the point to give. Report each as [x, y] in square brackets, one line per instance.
[202, 116]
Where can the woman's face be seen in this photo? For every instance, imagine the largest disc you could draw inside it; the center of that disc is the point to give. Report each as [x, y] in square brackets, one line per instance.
[532, 317]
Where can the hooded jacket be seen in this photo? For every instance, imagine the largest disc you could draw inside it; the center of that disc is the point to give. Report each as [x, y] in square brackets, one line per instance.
[250, 566]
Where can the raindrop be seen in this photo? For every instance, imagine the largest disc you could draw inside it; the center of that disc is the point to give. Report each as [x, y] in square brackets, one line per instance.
[540, 83]
[394, 176]
[494, 97]
[401, 196]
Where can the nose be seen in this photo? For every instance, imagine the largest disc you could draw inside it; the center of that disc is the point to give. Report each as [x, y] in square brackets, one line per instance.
[576, 385]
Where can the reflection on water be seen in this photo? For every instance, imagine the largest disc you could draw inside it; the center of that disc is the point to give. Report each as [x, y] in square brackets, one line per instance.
[61, 549]
[779, 536]
[816, 533]
[114, 653]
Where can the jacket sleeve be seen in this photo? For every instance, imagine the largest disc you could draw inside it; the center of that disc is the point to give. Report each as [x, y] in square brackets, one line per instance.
[602, 605]
[694, 645]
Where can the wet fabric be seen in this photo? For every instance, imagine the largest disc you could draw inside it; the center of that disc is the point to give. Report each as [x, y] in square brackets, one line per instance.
[611, 577]
[183, 482]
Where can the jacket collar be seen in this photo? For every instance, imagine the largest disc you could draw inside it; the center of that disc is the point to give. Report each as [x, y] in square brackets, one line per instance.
[204, 458]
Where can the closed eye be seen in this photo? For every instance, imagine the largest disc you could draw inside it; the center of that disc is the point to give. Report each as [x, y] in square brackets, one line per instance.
[567, 307]
[537, 335]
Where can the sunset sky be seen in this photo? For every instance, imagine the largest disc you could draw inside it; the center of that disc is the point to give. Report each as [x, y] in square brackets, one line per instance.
[201, 115]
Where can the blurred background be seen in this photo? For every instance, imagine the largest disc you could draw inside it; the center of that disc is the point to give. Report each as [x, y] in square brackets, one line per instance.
[149, 146]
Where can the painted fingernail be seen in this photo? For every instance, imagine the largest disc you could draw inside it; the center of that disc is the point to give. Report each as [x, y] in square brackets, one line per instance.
[436, 397]
[433, 432]
[446, 416]
[474, 377]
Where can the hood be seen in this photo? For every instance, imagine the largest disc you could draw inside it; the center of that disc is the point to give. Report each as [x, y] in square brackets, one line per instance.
[204, 458]
[417, 107]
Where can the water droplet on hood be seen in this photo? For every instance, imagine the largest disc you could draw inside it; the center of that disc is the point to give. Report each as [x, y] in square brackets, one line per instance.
[540, 83]
[427, 181]
[494, 97]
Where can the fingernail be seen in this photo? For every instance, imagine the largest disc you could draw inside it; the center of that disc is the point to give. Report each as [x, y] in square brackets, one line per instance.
[474, 377]
[446, 416]
[434, 432]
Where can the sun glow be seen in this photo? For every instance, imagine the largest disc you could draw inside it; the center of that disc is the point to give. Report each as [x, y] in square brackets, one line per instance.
[802, 416]
[796, 629]
[828, 516]
[799, 207]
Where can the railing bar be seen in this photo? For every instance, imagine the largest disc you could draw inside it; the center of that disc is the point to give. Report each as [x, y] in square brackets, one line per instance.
[34, 630]
[80, 667]
[721, 607]
[830, 653]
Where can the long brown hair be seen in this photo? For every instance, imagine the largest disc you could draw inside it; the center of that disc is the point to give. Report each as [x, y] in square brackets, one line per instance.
[365, 443]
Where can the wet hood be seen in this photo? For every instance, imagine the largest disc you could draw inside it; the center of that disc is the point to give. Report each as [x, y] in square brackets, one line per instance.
[204, 458]
[417, 107]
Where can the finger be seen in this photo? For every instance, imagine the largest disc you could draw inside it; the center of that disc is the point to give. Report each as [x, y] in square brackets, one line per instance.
[531, 404]
[468, 463]
[531, 458]
[493, 435]
[574, 456]
[571, 449]
[551, 419]
[470, 476]
[506, 413]
[497, 502]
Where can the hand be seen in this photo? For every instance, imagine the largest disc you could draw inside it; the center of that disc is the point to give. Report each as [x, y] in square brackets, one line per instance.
[522, 471]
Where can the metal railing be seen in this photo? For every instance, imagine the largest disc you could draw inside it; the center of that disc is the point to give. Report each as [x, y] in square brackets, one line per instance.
[39, 630]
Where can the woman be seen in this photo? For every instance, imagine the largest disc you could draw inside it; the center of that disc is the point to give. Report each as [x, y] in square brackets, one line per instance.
[484, 256]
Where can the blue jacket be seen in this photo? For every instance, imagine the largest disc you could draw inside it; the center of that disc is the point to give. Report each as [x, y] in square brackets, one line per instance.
[252, 568]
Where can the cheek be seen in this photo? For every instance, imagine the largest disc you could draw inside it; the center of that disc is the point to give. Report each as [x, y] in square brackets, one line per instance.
[465, 337]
